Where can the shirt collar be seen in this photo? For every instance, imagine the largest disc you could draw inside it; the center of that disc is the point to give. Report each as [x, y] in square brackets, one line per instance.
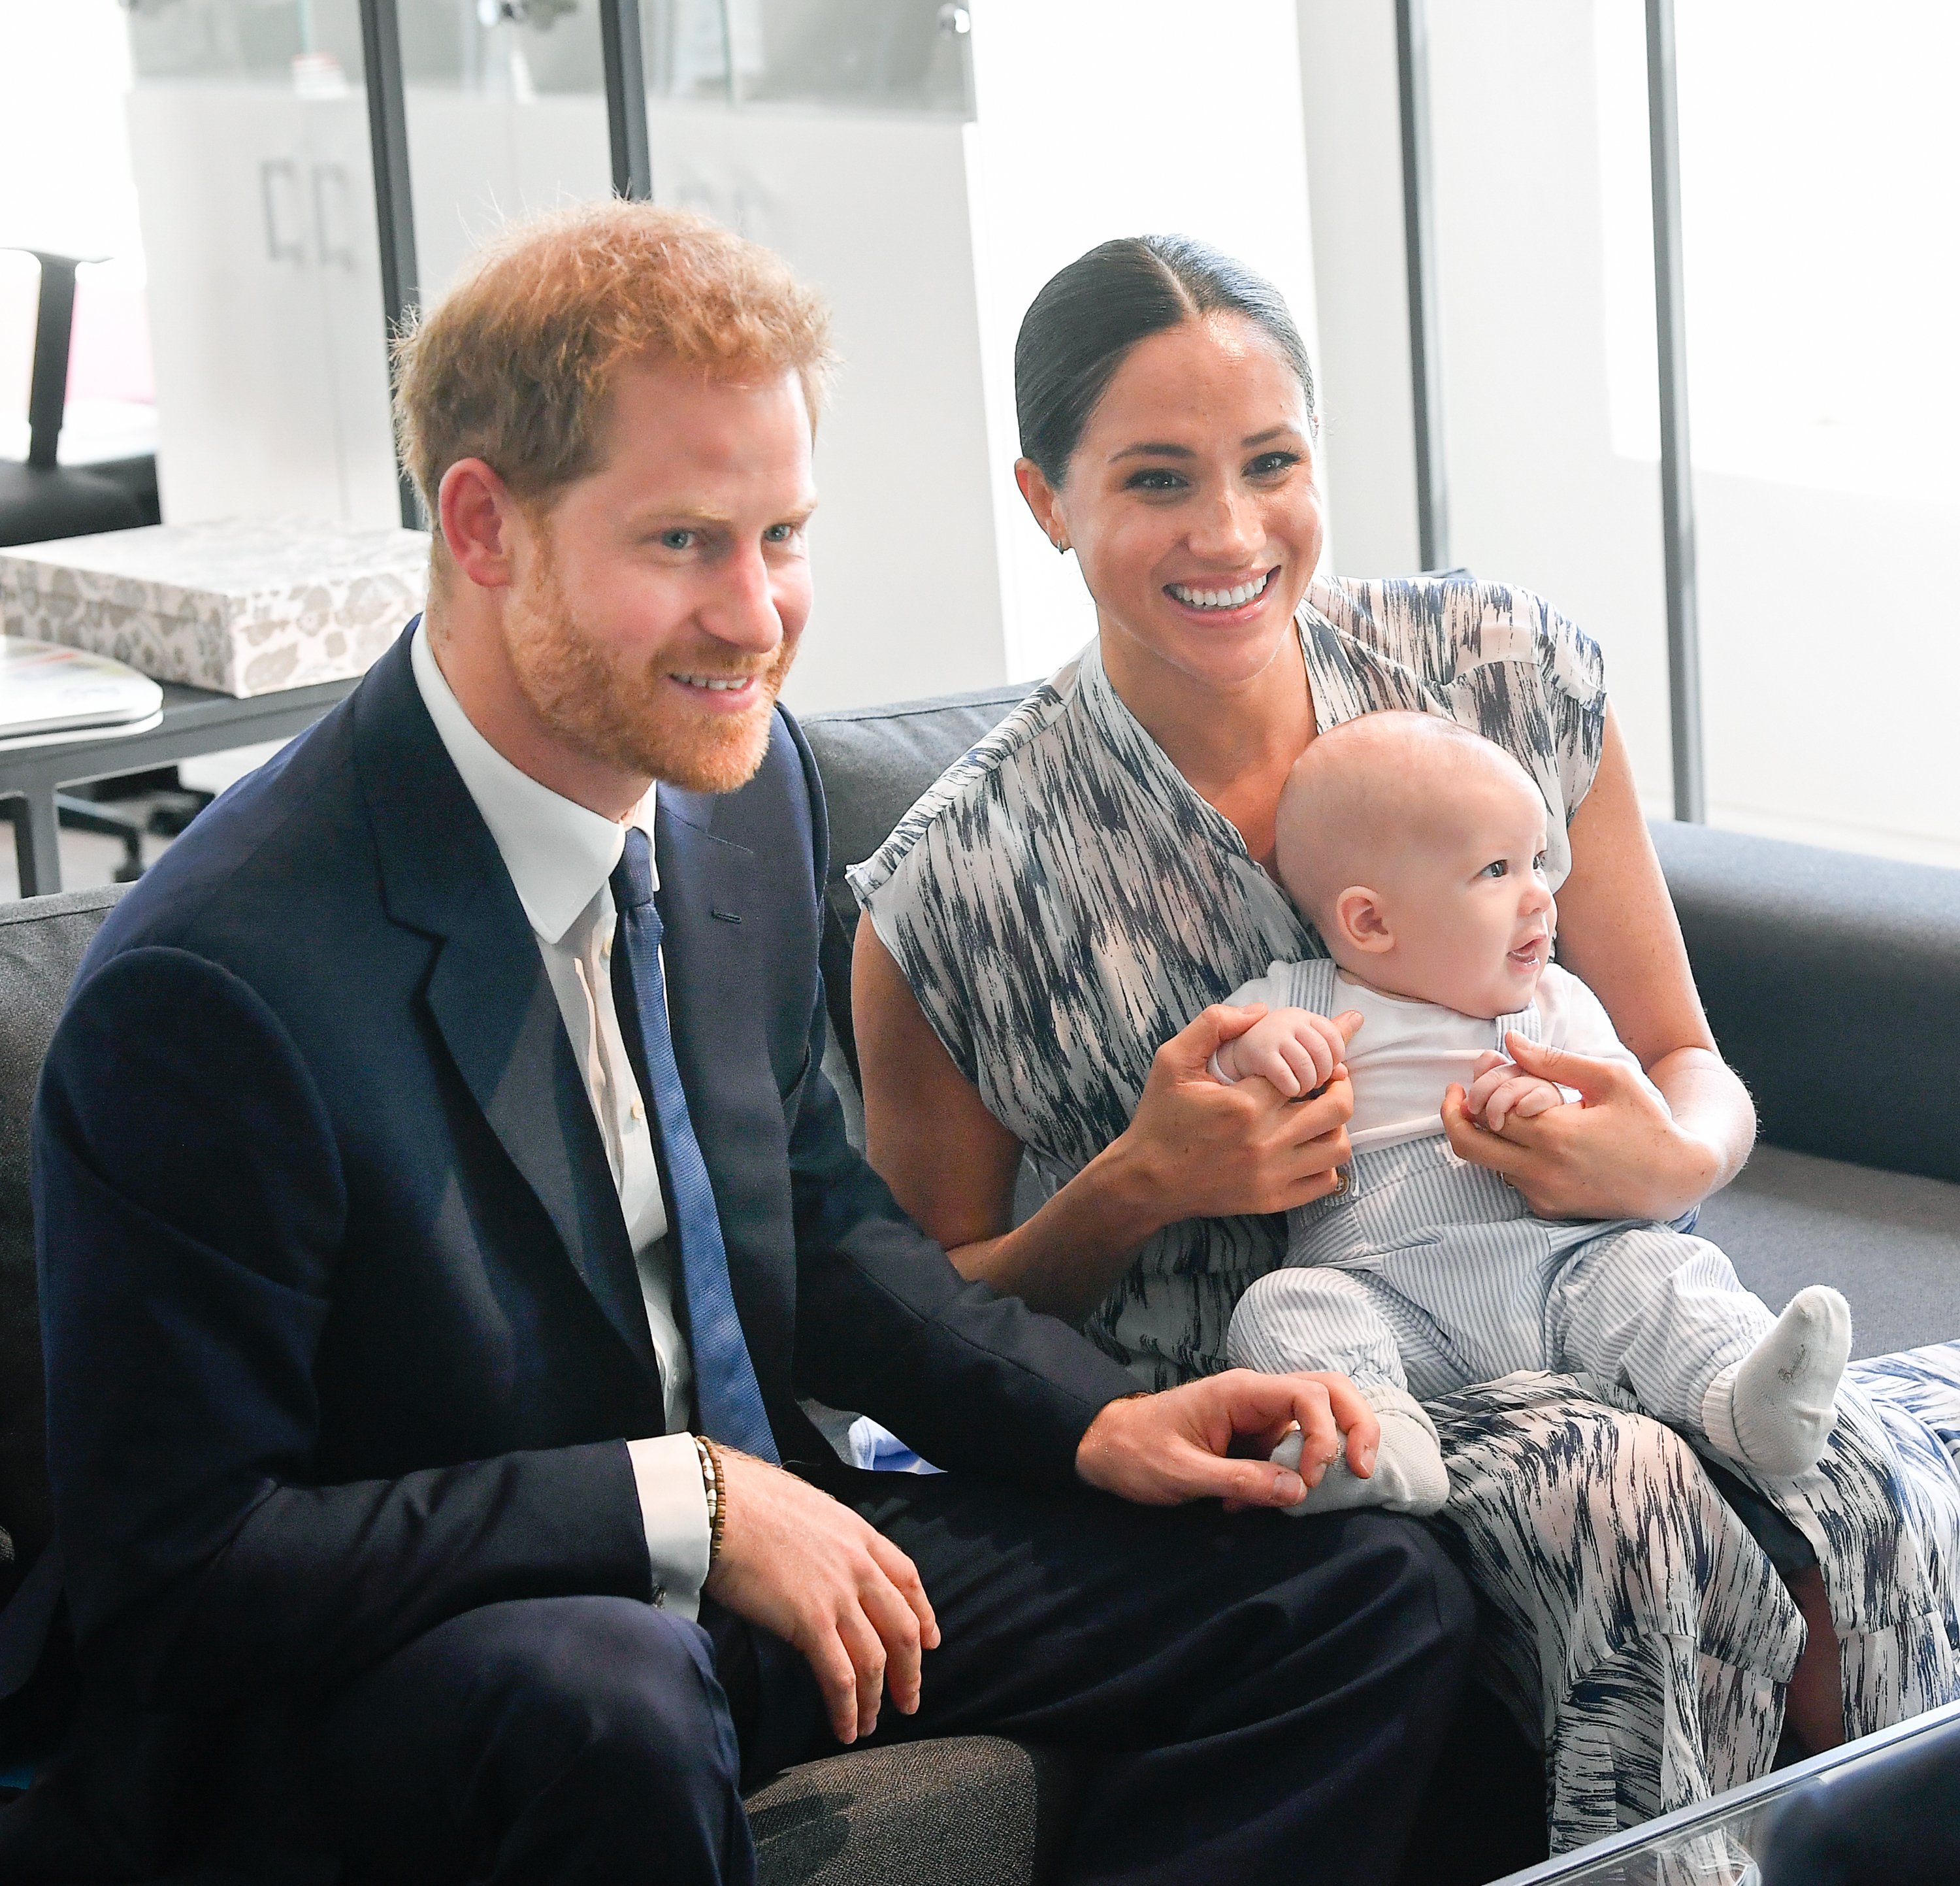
[559, 854]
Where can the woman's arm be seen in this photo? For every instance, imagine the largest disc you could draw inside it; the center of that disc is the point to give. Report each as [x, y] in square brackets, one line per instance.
[1195, 1149]
[1619, 1156]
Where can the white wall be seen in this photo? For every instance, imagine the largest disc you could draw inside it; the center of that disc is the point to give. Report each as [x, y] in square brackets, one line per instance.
[873, 213]
[1103, 118]
[66, 182]
[67, 186]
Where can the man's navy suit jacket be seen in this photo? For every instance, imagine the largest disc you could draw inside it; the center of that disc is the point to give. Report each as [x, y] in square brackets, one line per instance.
[344, 1335]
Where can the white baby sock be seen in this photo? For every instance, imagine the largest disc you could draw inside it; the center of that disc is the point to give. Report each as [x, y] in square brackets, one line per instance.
[1409, 1475]
[1773, 1410]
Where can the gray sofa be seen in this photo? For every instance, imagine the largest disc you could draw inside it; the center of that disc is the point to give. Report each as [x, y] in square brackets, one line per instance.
[1857, 1184]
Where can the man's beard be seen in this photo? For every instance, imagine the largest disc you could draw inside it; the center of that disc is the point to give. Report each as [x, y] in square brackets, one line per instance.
[596, 702]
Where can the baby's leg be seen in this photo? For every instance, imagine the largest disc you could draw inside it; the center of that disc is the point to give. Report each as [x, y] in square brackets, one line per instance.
[1316, 1319]
[1666, 1315]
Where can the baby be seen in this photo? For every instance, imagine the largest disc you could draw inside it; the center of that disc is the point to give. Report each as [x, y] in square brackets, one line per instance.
[1418, 849]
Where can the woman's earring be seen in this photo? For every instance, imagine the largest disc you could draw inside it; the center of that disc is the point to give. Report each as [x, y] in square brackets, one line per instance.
[1061, 545]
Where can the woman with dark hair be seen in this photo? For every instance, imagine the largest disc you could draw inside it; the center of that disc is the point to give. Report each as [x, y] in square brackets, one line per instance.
[1046, 921]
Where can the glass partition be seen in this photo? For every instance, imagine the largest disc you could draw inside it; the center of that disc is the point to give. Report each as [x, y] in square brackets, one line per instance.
[507, 116]
[858, 55]
[848, 56]
[244, 40]
[685, 44]
[1820, 181]
[1541, 492]
[248, 126]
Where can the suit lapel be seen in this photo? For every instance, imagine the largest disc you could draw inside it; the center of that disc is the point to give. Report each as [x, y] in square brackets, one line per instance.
[499, 1020]
[488, 993]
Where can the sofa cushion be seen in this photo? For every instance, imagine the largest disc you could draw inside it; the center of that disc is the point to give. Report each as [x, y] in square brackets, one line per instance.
[1889, 1240]
[42, 943]
[969, 1811]
[1832, 982]
[876, 762]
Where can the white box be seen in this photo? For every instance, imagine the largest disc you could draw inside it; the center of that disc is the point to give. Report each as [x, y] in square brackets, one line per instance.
[240, 606]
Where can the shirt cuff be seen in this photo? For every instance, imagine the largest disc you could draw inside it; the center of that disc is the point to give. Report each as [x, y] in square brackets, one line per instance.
[673, 1508]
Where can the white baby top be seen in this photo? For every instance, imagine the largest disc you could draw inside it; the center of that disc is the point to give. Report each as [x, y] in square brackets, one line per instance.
[1406, 1054]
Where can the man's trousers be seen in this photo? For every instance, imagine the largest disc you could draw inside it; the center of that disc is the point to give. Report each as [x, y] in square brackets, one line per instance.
[1263, 1699]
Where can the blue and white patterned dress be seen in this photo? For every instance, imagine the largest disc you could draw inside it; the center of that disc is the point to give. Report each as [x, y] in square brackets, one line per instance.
[1062, 902]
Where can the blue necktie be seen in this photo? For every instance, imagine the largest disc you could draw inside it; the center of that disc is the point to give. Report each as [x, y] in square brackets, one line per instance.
[724, 1378]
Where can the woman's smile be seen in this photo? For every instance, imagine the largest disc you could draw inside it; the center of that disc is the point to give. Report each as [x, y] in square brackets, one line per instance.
[1236, 600]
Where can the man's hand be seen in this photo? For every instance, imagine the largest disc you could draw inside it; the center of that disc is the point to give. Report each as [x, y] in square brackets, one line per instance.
[1499, 1089]
[797, 1562]
[1164, 1449]
[1294, 1049]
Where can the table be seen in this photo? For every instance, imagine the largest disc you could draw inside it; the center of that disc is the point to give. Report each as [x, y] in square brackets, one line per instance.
[1884, 1808]
[195, 722]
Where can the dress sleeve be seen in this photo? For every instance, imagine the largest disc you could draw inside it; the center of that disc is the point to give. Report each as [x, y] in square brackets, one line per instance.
[1573, 673]
[920, 906]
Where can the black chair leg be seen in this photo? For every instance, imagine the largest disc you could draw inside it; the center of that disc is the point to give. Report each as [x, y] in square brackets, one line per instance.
[85, 815]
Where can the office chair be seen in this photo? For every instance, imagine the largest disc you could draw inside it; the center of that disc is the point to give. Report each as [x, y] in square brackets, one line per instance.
[39, 498]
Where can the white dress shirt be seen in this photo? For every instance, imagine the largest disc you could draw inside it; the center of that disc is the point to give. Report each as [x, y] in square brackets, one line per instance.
[1406, 1053]
[560, 855]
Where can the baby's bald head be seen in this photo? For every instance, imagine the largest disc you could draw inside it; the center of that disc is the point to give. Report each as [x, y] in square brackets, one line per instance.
[1375, 790]
[1417, 847]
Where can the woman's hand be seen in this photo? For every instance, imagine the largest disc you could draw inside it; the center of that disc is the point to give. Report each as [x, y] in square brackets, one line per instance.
[1618, 1154]
[1498, 1088]
[1196, 1149]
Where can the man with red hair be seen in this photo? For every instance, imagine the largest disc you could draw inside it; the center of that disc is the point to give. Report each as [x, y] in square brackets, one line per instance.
[442, 1209]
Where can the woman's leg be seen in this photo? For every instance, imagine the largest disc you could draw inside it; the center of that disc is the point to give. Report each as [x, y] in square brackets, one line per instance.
[1882, 1510]
[1637, 1630]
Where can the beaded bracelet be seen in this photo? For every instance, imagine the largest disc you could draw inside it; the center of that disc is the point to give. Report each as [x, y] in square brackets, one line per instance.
[716, 1489]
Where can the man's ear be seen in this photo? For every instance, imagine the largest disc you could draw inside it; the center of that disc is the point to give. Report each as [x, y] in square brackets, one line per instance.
[1361, 922]
[1043, 501]
[478, 520]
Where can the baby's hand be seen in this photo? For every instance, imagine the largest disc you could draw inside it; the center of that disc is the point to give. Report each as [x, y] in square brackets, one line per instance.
[1296, 1051]
[1501, 1088]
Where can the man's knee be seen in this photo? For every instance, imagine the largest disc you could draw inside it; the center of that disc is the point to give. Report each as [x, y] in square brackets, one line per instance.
[1379, 1586]
[563, 1733]
[604, 1682]
[1418, 1581]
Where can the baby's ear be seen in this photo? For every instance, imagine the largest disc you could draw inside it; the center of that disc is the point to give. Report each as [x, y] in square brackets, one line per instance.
[1361, 920]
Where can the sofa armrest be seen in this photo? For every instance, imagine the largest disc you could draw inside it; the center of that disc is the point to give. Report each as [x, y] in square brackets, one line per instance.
[1832, 982]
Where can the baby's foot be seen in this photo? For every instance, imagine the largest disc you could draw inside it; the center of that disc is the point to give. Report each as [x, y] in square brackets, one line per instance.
[1409, 1475]
[1773, 1410]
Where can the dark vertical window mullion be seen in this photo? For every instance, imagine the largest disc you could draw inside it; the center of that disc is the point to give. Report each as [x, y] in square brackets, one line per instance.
[1677, 471]
[394, 212]
[626, 99]
[1432, 485]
